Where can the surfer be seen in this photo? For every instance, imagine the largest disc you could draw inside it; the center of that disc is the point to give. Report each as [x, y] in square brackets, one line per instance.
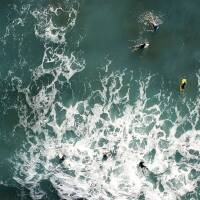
[61, 157]
[154, 25]
[142, 166]
[105, 157]
[141, 46]
[106, 154]
[153, 22]
[183, 84]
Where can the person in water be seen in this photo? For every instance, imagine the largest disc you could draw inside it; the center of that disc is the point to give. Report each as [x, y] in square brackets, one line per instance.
[155, 26]
[153, 23]
[61, 157]
[141, 46]
[106, 155]
[183, 84]
[142, 166]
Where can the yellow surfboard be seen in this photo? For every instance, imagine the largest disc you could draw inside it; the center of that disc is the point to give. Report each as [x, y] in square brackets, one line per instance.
[183, 84]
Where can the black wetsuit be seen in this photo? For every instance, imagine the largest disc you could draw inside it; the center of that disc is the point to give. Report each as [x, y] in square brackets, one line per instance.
[62, 158]
[183, 86]
[142, 46]
[155, 27]
[141, 165]
[105, 157]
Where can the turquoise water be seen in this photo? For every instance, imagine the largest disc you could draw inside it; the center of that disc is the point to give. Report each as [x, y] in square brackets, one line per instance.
[71, 85]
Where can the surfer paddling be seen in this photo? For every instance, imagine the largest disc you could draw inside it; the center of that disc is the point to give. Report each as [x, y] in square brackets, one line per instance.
[183, 84]
[154, 25]
[141, 46]
[141, 165]
[61, 157]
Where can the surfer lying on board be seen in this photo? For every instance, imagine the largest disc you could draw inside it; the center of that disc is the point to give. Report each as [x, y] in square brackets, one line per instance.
[61, 157]
[154, 25]
[141, 46]
[183, 84]
[154, 22]
[106, 154]
[142, 166]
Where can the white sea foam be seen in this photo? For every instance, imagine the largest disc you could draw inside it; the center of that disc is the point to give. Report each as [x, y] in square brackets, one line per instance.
[127, 130]
[46, 29]
[129, 137]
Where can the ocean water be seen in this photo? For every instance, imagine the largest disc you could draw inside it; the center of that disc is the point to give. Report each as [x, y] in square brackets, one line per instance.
[70, 85]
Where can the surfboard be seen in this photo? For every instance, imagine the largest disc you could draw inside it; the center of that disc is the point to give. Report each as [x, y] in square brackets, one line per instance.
[183, 84]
